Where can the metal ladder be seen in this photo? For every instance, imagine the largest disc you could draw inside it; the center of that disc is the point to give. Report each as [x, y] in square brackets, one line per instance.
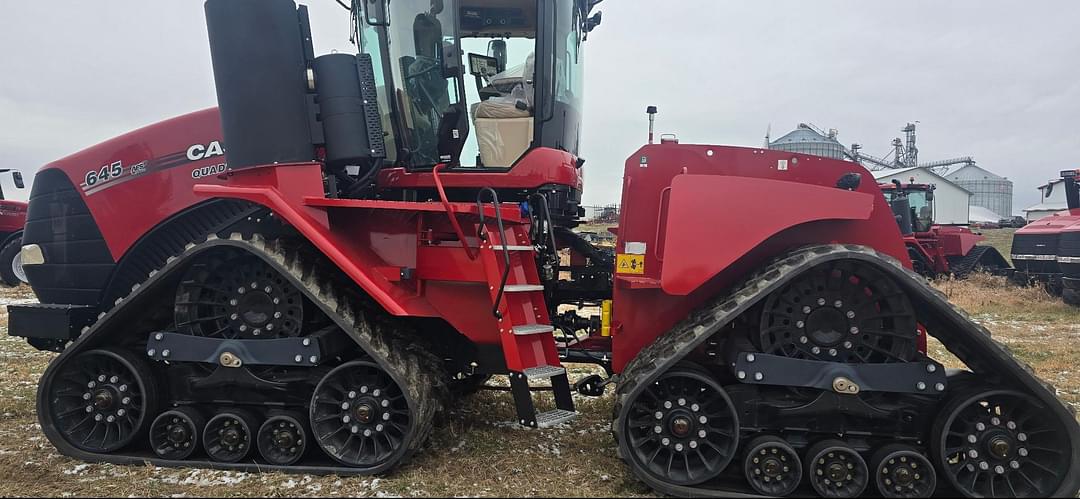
[525, 329]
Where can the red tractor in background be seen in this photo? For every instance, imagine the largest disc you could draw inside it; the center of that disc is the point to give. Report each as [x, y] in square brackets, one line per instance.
[937, 250]
[12, 219]
[1047, 251]
[302, 278]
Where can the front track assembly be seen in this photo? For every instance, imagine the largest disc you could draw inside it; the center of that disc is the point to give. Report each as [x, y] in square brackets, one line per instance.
[995, 431]
[118, 395]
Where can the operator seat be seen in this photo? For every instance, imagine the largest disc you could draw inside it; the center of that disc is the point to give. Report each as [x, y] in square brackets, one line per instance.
[504, 125]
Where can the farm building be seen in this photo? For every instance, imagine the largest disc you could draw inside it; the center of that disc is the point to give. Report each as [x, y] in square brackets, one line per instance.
[987, 189]
[951, 202]
[1052, 201]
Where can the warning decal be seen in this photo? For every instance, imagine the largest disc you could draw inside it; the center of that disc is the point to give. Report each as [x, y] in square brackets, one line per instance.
[630, 264]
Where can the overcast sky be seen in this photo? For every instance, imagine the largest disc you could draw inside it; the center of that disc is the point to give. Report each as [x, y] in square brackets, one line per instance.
[995, 80]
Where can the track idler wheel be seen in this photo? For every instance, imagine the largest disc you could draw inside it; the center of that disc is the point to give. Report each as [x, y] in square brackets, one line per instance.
[836, 470]
[772, 467]
[1001, 443]
[282, 439]
[682, 429]
[102, 400]
[229, 436]
[360, 417]
[902, 471]
[174, 435]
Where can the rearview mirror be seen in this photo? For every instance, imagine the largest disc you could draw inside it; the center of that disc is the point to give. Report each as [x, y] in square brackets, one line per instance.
[17, 177]
[376, 12]
[497, 49]
[930, 195]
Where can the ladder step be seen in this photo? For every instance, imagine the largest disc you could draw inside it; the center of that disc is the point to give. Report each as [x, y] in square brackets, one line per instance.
[552, 418]
[544, 372]
[533, 329]
[499, 247]
[522, 288]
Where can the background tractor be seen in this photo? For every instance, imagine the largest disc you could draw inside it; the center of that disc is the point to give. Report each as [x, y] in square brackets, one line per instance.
[12, 218]
[1047, 251]
[302, 278]
[934, 249]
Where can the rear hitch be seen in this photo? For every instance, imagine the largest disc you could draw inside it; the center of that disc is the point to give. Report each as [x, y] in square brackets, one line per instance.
[592, 385]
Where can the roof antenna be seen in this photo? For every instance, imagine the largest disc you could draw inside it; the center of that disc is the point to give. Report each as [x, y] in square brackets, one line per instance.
[652, 120]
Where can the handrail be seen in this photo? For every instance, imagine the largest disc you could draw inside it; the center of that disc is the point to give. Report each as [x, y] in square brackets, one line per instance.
[450, 211]
[502, 236]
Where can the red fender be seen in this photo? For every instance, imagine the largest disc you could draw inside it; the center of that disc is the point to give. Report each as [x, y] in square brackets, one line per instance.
[698, 244]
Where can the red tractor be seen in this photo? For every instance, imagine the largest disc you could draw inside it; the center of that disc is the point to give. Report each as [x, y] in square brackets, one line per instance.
[311, 304]
[937, 250]
[12, 218]
[1047, 251]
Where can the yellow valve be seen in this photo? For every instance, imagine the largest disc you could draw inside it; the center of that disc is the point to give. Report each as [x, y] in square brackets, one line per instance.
[605, 318]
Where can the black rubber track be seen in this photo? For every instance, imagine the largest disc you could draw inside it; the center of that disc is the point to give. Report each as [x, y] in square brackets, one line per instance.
[413, 368]
[965, 339]
[980, 257]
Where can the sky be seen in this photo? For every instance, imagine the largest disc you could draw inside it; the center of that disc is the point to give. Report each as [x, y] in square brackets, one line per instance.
[997, 80]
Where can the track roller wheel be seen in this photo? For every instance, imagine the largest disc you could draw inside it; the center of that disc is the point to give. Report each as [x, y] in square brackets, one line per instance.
[772, 467]
[101, 400]
[174, 435]
[1001, 443]
[836, 470]
[228, 436]
[901, 471]
[361, 418]
[282, 439]
[682, 429]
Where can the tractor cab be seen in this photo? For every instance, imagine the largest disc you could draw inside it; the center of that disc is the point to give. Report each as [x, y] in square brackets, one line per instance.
[913, 205]
[476, 84]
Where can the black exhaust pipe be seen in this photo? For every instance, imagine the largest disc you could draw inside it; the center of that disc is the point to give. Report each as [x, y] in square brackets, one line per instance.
[261, 51]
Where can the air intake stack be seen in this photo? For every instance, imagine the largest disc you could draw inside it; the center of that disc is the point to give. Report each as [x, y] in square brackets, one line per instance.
[277, 100]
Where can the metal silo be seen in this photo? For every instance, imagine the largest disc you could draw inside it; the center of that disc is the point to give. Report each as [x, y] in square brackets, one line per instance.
[807, 140]
[988, 190]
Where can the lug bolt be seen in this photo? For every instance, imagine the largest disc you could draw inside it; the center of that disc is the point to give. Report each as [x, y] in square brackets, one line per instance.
[980, 426]
[299, 358]
[344, 406]
[921, 386]
[165, 352]
[1014, 465]
[999, 469]
[375, 392]
[277, 315]
[159, 336]
[838, 304]
[806, 309]
[850, 314]
[930, 368]
[703, 420]
[803, 340]
[121, 412]
[234, 302]
[241, 290]
[1010, 425]
[268, 289]
[363, 389]
[695, 407]
[678, 447]
[277, 301]
[853, 330]
[86, 396]
[972, 439]
[386, 415]
[243, 328]
[995, 421]
[815, 350]
[693, 444]
[385, 403]
[701, 433]
[750, 357]
[847, 345]
[758, 376]
[234, 317]
[1022, 452]
[682, 402]
[940, 387]
[101, 379]
[800, 324]
[97, 417]
[89, 409]
[355, 429]
[254, 285]
[741, 375]
[150, 352]
[110, 419]
[379, 427]
[665, 441]
[367, 433]
[832, 352]
[659, 415]
[667, 404]
[974, 454]
[313, 359]
[821, 302]
[345, 419]
[984, 466]
[657, 430]
[1021, 437]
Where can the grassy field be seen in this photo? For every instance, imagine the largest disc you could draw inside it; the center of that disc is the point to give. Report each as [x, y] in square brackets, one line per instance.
[478, 451]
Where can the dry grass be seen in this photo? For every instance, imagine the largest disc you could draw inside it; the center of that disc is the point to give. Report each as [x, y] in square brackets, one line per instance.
[478, 451]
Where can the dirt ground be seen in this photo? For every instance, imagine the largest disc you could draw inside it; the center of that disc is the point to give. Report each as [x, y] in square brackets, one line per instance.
[479, 451]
